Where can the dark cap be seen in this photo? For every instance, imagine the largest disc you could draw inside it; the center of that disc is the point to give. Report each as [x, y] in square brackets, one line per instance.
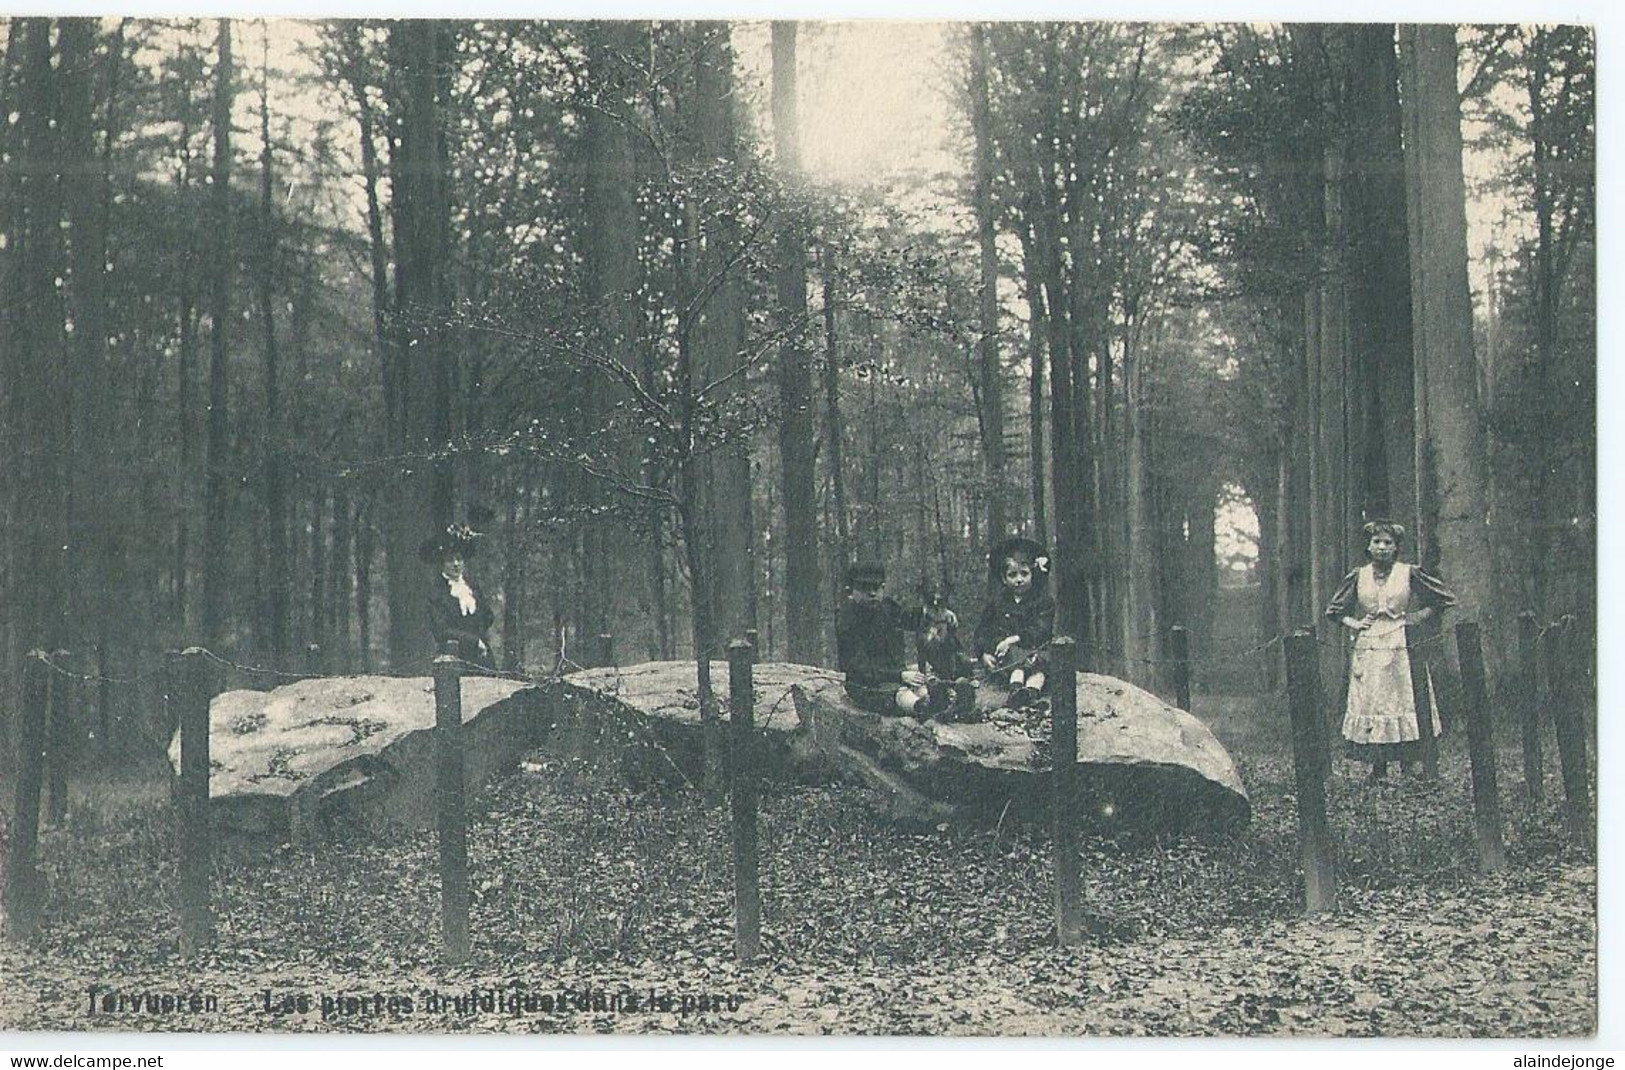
[866, 574]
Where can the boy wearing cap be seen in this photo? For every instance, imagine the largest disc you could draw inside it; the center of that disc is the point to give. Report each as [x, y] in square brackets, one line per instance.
[869, 637]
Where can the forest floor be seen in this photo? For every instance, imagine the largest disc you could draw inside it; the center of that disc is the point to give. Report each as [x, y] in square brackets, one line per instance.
[601, 910]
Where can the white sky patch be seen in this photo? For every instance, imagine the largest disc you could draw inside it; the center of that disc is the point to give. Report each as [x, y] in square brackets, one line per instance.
[874, 104]
[1235, 532]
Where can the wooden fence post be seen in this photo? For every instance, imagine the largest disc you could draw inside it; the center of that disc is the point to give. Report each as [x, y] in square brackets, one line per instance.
[1179, 647]
[1416, 653]
[1064, 794]
[605, 651]
[1481, 749]
[742, 796]
[187, 687]
[451, 814]
[24, 894]
[1310, 763]
[1534, 772]
[313, 659]
[1571, 744]
[59, 730]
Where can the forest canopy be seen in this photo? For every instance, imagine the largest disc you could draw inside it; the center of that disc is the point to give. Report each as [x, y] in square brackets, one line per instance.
[1184, 303]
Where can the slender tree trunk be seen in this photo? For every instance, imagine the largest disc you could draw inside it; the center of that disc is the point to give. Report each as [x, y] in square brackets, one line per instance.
[990, 373]
[318, 568]
[1295, 456]
[1036, 359]
[513, 580]
[363, 527]
[834, 444]
[278, 580]
[216, 489]
[723, 504]
[1140, 576]
[611, 275]
[803, 614]
[1072, 596]
[1266, 496]
[1335, 515]
[11, 214]
[339, 571]
[36, 396]
[90, 418]
[1548, 462]
[186, 349]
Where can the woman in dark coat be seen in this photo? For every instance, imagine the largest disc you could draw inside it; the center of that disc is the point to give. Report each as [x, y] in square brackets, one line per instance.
[458, 611]
[1375, 602]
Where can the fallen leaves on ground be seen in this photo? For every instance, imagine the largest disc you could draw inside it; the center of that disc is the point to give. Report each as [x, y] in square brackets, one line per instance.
[589, 896]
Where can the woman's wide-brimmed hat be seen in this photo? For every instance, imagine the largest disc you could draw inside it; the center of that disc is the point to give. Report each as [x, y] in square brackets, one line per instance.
[457, 538]
[1021, 548]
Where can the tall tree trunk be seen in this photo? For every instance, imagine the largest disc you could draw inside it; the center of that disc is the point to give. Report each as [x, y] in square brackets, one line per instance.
[186, 354]
[1036, 358]
[1266, 497]
[1547, 586]
[723, 509]
[1296, 550]
[318, 569]
[1443, 315]
[37, 401]
[990, 373]
[423, 496]
[216, 488]
[803, 613]
[11, 214]
[1141, 623]
[834, 443]
[89, 474]
[513, 579]
[1379, 269]
[1335, 517]
[1068, 472]
[340, 657]
[611, 277]
[364, 529]
[278, 579]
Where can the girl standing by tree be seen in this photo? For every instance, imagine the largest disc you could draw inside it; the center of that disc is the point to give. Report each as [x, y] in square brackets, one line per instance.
[1375, 602]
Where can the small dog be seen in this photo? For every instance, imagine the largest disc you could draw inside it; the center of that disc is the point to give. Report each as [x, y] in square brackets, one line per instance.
[943, 658]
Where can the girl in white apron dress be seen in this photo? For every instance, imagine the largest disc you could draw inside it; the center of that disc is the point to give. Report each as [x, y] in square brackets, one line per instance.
[1375, 602]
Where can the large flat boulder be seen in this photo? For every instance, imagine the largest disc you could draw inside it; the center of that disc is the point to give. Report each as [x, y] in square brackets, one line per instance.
[1143, 764]
[357, 749]
[648, 716]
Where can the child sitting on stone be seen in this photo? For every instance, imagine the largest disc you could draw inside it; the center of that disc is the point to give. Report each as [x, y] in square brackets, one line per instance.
[942, 657]
[869, 631]
[1018, 622]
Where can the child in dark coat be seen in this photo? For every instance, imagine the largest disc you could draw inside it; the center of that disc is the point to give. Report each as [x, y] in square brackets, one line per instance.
[869, 637]
[1019, 619]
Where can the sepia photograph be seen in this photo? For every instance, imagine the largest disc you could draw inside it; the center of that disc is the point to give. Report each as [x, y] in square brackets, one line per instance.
[867, 528]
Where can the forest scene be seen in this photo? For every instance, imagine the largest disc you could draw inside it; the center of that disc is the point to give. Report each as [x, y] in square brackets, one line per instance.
[647, 364]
